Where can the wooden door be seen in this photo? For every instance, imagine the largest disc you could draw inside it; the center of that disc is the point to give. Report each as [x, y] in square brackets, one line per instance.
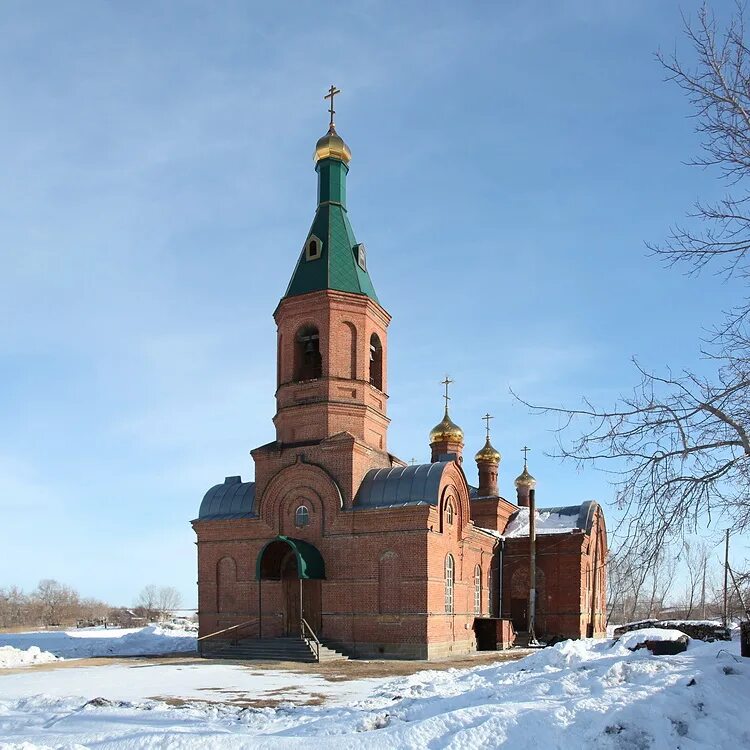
[519, 613]
[311, 605]
[290, 583]
[291, 606]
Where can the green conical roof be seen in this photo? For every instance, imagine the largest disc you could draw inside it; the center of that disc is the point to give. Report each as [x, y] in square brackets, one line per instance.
[338, 265]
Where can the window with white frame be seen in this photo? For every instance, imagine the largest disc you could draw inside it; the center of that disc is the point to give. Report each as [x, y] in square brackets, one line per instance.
[449, 513]
[313, 248]
[301, 516]
[450, 578]
[477, 590]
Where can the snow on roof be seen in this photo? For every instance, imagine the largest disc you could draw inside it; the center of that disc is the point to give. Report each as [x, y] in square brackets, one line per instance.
[562, 520]
[491, 532]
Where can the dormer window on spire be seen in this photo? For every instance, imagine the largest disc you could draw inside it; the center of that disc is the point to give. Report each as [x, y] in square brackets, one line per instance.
[313, 248]
[361, 255]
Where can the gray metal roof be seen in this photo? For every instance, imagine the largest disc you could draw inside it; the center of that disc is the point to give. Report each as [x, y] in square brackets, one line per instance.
[581, 517]
[232, 499]
[401, 485]
[586, 515]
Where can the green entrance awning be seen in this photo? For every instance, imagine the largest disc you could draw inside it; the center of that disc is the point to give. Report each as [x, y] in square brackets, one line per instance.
[310, 563]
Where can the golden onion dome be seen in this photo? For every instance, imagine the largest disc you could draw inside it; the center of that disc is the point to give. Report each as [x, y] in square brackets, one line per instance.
[488, 454]
[525, 479]
[332, 146]
[446, 431]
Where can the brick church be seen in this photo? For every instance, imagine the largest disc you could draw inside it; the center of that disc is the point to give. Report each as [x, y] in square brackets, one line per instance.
[339, 537]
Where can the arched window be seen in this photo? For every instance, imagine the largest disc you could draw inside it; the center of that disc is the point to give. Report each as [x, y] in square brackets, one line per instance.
[449, 513]
[308, 364]
[351, 341]
[376, 362]
[450, 578]
[301, 516]
[477, 590]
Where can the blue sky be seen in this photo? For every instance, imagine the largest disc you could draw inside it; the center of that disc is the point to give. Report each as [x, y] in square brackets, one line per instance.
[509, 161]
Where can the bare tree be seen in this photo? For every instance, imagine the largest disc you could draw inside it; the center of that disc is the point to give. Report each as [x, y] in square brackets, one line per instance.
[679, 444]
[637, 588]
[693, 598]
[14, 607]
[93, 611]
[157, 602]
[58, 602]
[147, 601]
[168, 599]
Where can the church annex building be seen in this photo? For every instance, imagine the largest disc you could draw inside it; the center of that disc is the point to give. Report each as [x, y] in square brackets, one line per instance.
[339, 537]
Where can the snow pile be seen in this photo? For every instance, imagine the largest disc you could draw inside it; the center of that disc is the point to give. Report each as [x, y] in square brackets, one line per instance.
[180, 623]
[634, 638]
[16, 657]
[151, 640]
[575, 695]
[702, 630]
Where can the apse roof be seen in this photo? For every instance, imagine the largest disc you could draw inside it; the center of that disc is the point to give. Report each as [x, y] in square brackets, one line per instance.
[417, 484]
[231, 499]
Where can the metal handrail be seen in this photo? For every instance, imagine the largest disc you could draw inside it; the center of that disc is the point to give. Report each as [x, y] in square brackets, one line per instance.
[226, 630]
[306, 624]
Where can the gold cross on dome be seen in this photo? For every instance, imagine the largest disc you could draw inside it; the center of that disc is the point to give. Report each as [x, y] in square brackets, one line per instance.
[447, 398]
[525, 450]
[487, 418]
[331, 93]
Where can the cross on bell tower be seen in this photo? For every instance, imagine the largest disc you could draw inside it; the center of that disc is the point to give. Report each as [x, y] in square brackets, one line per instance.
[331, 93]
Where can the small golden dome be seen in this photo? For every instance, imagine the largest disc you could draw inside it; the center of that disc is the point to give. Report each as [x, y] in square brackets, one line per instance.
[332, 146]
[488, 454]
[525, 479]
[446, 431]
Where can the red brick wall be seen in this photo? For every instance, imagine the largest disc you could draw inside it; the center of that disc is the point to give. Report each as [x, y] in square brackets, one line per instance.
[571, 580]
[336, 402]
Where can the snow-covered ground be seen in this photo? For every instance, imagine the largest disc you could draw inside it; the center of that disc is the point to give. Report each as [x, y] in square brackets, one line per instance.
[81, 643]
[577, 694]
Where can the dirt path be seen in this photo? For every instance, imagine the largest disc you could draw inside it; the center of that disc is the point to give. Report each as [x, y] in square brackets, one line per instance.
[333, 671]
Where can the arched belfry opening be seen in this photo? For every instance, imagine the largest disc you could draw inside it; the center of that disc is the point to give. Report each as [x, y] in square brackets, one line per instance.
[376, 362]
[297, 568]
[308, 362]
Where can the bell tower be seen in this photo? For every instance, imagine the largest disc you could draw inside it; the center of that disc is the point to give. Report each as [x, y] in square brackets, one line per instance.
[331, 330]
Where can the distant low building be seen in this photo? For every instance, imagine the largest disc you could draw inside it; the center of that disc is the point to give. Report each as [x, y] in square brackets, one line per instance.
[125, 618]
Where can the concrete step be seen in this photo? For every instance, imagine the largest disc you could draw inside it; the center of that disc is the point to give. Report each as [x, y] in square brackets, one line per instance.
[330, 654]
[269, 649]
[288, 648]
[262, 657]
